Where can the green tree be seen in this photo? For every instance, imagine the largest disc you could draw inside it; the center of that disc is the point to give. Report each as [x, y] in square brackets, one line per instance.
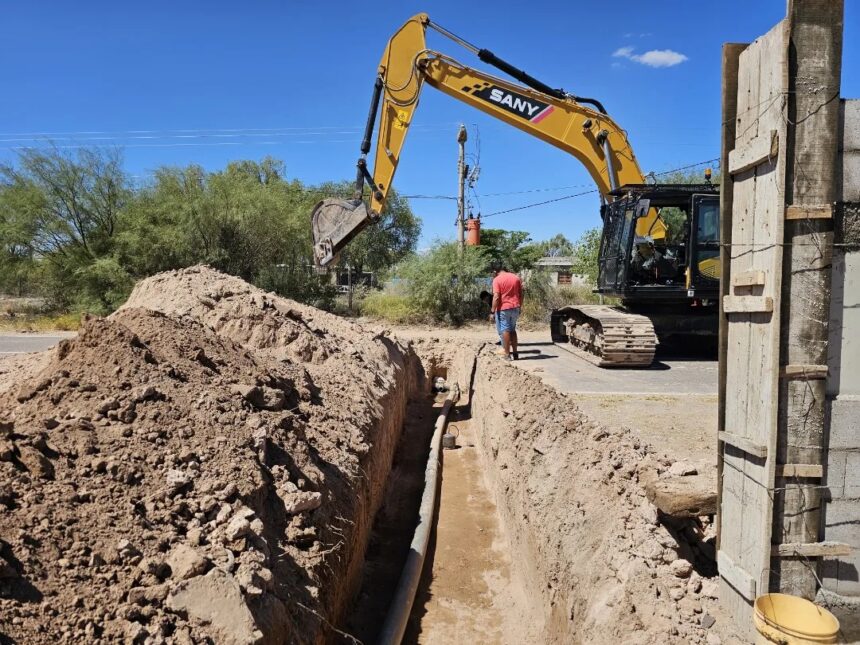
[512, 248]
[60, 212]
[556, 246]
[586, 252]
[445, 283]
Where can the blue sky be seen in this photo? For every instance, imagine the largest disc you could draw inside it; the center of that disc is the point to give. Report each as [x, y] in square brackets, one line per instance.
[208, 82]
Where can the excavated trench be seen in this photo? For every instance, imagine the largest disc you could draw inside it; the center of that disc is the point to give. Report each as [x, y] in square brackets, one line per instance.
[541, 533]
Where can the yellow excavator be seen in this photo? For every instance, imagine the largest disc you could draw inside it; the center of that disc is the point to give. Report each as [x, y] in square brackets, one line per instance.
[667, 280]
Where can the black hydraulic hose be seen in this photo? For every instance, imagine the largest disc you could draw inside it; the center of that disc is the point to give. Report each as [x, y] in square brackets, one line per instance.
[371, 117]
[491, 59]
[365, 142]
[594, 102]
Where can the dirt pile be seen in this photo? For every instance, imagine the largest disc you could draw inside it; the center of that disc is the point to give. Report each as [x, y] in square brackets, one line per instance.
[601, 565]
[207, 473]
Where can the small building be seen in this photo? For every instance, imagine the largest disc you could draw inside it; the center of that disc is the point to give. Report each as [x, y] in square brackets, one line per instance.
[560, 270]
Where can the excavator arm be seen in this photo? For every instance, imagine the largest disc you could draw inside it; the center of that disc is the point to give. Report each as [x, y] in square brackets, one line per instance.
[552, 115]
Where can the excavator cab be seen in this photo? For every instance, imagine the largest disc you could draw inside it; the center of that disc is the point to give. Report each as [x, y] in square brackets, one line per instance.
[679, 265]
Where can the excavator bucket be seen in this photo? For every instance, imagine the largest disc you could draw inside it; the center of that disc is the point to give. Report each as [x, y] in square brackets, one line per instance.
[334, 223]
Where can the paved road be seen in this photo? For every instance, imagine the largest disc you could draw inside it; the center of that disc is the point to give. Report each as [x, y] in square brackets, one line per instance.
[11, 343]
[569, 373]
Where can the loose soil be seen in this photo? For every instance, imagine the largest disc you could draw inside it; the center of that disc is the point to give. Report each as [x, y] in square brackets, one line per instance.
[202, 466]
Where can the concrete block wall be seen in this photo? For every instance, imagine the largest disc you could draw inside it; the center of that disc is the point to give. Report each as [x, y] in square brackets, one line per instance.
[842, 511]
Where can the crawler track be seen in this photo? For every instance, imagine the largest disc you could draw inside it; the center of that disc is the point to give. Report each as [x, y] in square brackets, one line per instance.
[605, 336]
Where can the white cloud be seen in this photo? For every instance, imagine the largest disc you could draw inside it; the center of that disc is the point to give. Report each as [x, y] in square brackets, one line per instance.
[653, 58]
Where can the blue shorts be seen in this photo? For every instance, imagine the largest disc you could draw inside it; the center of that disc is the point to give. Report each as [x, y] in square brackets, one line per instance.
[507, 320]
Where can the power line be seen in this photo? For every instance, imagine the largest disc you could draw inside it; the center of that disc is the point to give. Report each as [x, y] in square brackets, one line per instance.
[594, 190]
[357, 128]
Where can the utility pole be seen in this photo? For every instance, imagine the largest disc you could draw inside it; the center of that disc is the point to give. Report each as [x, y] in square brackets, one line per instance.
[461, 190]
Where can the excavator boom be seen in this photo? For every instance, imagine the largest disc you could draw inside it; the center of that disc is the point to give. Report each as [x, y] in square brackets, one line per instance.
[552, 115]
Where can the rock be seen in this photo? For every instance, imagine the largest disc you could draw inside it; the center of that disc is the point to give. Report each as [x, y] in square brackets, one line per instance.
[301, 501]
[185, 562]
[29, 390]
[648, 512]
[126, 550]
[216, 599]
[238, 527]
[194, 537]
[254, 578]
[711, 588]
[707, 621]
[153, 566]
[681, 469]
[228, 492]
[36, 462]
[135, 633]
[687, 496]
[695, 583]
[257, 527]
[267, 398]
[187, 456]
[177, 481]
[676, 593]
[681, 568]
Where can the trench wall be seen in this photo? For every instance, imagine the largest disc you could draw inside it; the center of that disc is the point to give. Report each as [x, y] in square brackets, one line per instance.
[590, 550]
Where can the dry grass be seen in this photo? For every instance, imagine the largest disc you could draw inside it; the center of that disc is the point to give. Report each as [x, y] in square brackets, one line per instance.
[41, 322]
[391, 307]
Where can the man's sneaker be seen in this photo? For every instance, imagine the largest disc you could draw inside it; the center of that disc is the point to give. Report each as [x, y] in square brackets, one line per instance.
[516, 356]
[501, 352]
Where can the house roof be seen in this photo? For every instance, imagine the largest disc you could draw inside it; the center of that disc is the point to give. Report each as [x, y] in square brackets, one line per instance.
[560, 261]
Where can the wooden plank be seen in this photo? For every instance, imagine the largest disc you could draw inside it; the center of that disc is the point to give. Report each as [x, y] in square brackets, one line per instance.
[764, 147]
[809, 211]
[750, 278]
[742, 581]
[800, 470]
[689, 496]
[803, 372]
[747, 304]
[730, 59]
[751, 447]
[812, 549]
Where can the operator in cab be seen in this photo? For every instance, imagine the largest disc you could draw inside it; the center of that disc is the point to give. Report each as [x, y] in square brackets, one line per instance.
[507, 301]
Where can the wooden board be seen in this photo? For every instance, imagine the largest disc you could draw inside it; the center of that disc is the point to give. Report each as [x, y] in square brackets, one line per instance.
[749, 381]
[812, 549]
[824, 211]
[747, 304]
[800, 470]
[752, 278]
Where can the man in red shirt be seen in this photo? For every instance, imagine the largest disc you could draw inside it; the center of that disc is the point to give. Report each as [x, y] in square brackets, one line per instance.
[507, 300]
